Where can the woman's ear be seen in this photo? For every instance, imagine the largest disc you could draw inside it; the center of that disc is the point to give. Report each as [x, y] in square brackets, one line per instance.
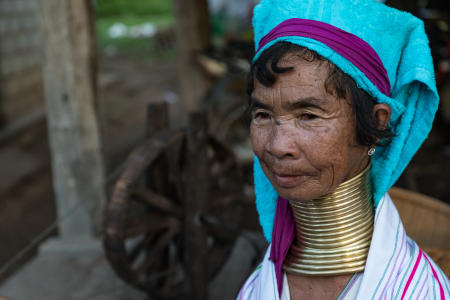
[382, 114]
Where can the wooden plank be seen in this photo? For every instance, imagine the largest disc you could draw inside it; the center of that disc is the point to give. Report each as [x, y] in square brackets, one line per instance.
[70, 95]
[16, 166]
[192, 31]
[157, 118]
[425, 219]
[20, 124]
[420, 200]
[196, 196]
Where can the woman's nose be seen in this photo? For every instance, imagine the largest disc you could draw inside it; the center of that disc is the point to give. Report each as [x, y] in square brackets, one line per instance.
[282, 142]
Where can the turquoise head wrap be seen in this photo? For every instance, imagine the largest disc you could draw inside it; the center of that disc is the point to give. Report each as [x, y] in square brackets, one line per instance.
[400, 41]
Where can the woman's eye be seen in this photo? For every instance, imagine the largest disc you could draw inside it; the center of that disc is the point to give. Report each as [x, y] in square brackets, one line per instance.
[307, 116]
[261, 116]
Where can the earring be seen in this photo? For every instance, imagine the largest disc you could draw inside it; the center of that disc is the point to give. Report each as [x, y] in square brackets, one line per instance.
[371, 151]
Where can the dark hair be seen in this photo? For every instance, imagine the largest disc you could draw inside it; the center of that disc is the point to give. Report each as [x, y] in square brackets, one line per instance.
[265, 69]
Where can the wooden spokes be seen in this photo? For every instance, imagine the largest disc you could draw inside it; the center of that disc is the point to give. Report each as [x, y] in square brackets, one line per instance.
[144, 235]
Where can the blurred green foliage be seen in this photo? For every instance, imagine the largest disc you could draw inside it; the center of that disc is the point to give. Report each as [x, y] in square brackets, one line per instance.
[130, 13]
[108, 8]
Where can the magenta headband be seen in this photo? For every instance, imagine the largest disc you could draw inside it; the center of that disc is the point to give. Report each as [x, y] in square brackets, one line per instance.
[348, 45]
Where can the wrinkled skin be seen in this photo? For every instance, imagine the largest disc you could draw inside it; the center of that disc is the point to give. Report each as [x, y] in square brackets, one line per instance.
[305, 140]
[304, 137]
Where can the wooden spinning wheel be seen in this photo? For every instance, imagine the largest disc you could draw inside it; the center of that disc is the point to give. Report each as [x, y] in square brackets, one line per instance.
[174, 213]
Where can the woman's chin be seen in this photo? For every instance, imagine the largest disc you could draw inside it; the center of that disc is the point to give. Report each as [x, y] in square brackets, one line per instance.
[296, 194]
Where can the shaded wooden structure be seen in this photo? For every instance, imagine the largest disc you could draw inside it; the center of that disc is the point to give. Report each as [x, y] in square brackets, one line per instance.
[427, 221]
[70, 96]
[193, 36]
[174, 213]
[21, 86]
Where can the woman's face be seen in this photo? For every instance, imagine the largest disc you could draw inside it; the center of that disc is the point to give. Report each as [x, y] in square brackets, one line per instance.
[304, 137]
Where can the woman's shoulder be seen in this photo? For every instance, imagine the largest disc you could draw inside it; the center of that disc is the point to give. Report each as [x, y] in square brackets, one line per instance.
[249, 289]
[261, 284]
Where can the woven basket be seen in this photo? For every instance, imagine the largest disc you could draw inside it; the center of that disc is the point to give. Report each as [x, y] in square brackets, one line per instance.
[427, 221]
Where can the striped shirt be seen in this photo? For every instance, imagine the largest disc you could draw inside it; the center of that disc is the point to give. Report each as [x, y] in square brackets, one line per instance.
[396, 268]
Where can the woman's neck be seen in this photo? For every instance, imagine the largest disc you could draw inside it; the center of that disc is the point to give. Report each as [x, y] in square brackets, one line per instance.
[333, 232]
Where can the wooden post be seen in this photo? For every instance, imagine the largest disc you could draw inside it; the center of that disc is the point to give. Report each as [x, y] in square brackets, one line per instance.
[2, 103]
[157, 118]
[192, 31]
[2, 108]
[195, 202]
[70, 93]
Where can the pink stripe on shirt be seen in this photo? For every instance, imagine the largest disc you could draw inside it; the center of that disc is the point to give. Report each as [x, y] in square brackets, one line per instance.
[441, 289]
[412, 274]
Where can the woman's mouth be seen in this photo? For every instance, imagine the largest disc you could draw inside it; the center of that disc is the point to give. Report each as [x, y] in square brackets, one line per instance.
[288, 180]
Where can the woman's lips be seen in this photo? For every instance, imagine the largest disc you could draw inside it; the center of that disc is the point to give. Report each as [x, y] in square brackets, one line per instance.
[288, 180]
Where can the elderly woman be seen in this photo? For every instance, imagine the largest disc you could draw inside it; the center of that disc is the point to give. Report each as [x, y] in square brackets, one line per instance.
[342, 94]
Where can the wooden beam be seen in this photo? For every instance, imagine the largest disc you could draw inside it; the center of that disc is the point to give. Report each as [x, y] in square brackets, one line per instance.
[197, 185]
[2, 100]
[70, 94]
[192, 31]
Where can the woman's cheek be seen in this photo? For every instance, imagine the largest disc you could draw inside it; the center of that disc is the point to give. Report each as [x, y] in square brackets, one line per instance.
[321, 145]
[259, 136]
[316, 136]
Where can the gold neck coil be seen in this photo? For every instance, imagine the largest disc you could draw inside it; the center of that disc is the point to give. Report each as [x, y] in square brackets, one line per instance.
[333, 232]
